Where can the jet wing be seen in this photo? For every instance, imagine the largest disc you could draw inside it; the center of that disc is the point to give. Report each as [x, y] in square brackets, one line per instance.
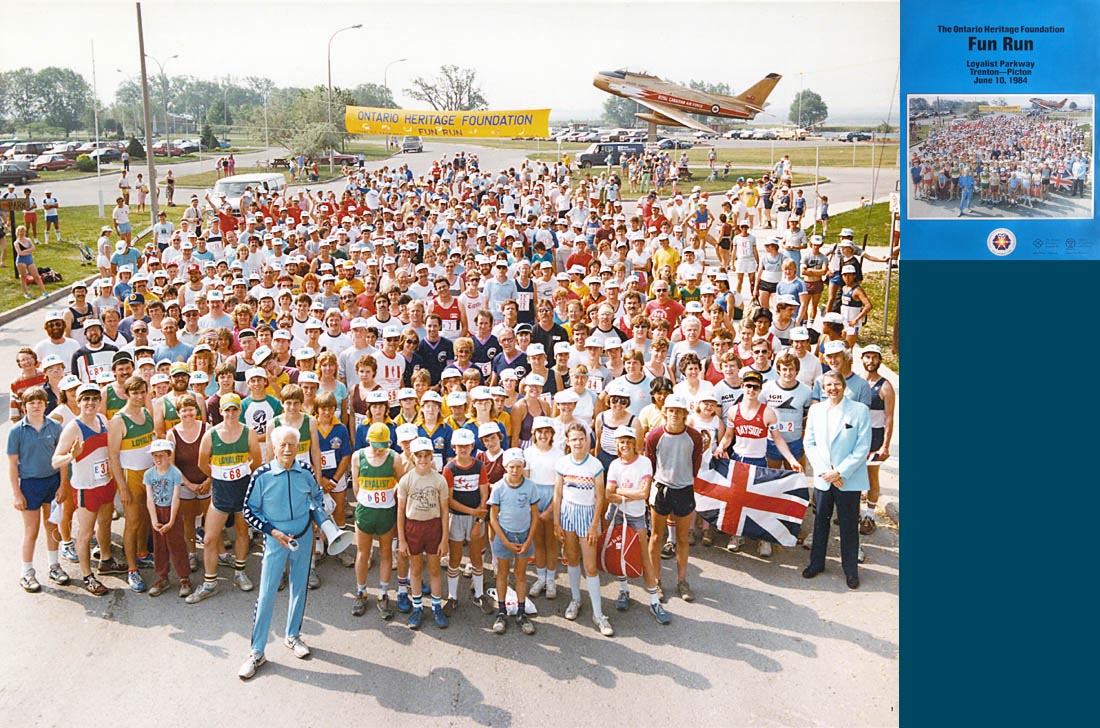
[674, 114]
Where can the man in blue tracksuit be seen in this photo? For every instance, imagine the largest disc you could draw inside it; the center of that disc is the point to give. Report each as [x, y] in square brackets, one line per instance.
[284, 501]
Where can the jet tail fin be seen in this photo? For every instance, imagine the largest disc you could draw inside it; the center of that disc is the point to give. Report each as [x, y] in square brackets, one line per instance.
[756, 94]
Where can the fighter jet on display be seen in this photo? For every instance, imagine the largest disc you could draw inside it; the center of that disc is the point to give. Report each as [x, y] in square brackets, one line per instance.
[1046, 105]
[672, 103]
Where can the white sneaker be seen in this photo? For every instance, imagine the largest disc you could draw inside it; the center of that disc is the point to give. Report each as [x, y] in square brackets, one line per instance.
[299, 648]
[551, 589]
[572, 611]
[604, 625]
[860, 556]
[248, 669]
[537, 587]
[242, 581]
[765, 549]
[734, 545]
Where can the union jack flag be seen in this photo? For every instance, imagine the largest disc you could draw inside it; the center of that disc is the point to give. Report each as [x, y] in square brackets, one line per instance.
[1061, 180]
[745, 500]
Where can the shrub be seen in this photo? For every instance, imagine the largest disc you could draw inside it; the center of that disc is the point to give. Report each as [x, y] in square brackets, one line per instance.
[85, 163]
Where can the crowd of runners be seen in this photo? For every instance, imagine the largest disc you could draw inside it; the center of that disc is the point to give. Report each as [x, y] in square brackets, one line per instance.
[481, 368]
[1001, 160]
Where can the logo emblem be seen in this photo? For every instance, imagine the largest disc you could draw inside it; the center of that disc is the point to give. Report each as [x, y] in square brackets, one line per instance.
[715, 108]
[1001, 242]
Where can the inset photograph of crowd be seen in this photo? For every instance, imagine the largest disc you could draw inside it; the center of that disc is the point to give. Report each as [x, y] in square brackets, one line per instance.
[1021, 156]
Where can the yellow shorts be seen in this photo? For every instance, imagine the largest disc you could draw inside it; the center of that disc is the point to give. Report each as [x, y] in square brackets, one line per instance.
[135, 481]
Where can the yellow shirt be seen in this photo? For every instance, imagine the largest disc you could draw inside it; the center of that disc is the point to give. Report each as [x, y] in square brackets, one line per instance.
[666, 256]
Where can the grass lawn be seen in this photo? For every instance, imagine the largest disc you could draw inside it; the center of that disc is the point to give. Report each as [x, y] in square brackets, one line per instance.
[77, 223]
[803, 155]
[874, 284]
[698, 176]
[872, 222]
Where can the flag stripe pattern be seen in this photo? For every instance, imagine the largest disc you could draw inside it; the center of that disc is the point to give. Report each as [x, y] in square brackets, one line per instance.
[745, 500]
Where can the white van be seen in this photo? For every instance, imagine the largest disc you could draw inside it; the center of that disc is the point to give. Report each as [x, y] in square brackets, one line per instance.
[233, 187]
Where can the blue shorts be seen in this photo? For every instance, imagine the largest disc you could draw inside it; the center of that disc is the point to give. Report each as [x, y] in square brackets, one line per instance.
[517, 537]
[39, 491]
[228, 495]
[124, 228]
[796, 449]
[546, 497]
[577, 519]
[758, 462]
[24, 259]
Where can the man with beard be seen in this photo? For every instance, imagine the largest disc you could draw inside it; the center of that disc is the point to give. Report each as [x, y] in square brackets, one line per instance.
[545, 331]
[165, 416]
[94, 358]
[56, 343]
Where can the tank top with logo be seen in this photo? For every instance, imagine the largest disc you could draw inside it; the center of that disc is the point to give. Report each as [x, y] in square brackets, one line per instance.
[377, 484]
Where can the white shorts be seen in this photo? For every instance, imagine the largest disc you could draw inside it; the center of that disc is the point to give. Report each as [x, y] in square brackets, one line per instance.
[745, 265]
[460, 527]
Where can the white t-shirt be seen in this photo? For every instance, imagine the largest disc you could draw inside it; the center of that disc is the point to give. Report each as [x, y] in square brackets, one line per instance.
[542, 465]
[631, 478]
[579, 480]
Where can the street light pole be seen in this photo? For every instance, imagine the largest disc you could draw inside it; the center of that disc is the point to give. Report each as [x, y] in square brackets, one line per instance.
[267, 138]
[341, 30]
[385, 73]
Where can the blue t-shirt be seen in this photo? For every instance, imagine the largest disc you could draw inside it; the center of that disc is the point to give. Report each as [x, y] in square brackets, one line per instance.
[514, 503]
[163, 486]
[131, 257]
[334, 447]
[34, 448]
[179, 352]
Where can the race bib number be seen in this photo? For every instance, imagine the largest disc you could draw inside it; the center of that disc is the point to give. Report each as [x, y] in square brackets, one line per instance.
[523, 300]
[101, 472]
[328, 459]
[94, 370]
[450, 326]
[359, 420]
[783, 426]
[378, 498]
[231, 472]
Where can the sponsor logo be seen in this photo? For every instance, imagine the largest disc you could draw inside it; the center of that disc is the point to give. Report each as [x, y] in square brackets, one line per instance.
[1001, 242]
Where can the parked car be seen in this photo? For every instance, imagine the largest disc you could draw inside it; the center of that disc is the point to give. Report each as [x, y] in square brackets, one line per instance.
[188, 146]
[106, 154]
[51, 162]
[11, 173]
[608, 152]
[705, 135]
[25, 149]
[671, 143]
[224, 144]
[412, 144]
[766, 134]
[160, 149]
[234, 186]
[857, 136]
[340, 158]
[65, 149]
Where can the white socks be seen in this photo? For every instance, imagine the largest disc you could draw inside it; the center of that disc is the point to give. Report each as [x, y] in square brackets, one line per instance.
[575, 582]
[594, 595]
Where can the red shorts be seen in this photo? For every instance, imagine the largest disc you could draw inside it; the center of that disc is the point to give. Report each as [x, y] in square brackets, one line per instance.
[423, 537]
[30, 217]
[813, 287]
[93, 499]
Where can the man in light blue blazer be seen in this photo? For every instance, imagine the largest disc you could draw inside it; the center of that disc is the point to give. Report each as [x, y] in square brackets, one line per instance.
[838, 439]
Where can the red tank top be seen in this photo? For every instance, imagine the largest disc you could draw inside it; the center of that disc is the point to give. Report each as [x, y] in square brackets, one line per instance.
[751, 434]
[451, 315]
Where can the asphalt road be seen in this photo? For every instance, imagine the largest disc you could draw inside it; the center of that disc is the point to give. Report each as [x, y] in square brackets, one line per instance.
[760, 645]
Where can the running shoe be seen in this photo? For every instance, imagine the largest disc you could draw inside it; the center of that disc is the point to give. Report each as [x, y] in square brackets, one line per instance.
[604, 625]
[93, 586]
[537, 587]
[225, 560]
[734, 544]
[58, 575]
[661, 592]
[297, 646]
[685, 591]
[207, 590]
[193, 561]
[860, 556]
[439, 617]
[385, 607]
[111, 566]
[449, 607]
[159, 587]
[242, 581]
[484, 603]
[867, 524]
[346, 558]
[404, 603]
[765, 550]
[659, 613]
[29, 582]
[415, 618]
[622, 602]
[572, 610]
[551, 589]
[248, 669]
[526, 624]
[313, 581]
[668, 550]
[68, 552]
[500, 625]
[691, 537]
[136, 582]
[359, 608]
[146, 562]
[185, 588]
[708, 537]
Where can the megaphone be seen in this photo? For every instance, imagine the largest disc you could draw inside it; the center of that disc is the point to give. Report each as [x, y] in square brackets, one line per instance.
[338, 539]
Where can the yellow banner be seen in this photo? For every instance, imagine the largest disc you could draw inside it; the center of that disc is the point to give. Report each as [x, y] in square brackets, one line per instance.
[1012, 109]
[460, 124]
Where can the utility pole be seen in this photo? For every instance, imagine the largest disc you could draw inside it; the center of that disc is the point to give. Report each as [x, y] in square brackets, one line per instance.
[148, 122]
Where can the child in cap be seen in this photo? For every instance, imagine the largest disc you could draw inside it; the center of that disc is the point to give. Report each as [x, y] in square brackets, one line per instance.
[513, 506]
[163, 482]
[467, 478]
[422, 519]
